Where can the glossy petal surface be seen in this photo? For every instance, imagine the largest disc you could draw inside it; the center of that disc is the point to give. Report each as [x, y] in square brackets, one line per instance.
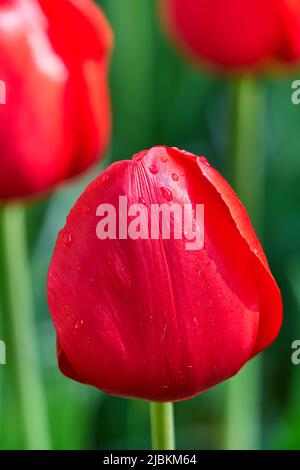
[235, 34]
[149, 318]
[56, 120]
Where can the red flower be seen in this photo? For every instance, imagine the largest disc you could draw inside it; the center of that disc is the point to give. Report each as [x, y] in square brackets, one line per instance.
[56, 120]
[233, 33]
[148, 317]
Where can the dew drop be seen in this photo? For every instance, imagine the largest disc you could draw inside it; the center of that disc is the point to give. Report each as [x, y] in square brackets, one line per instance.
[80, 269]
[175, 177]
[153, 169]
[164, 158]
[185, 234]
[78, 325]
[167, 194]
[67, 239]
[181, 173]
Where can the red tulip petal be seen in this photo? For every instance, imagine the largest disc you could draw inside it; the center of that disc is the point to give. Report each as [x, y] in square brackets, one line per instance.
[56, 120]
[65, 365]
[270, 298]
[235, 34]
[147, 318]
[86, 56]
[33, 153]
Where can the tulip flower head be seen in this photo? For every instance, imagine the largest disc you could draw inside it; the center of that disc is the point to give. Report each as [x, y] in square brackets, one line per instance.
[158, 286]
[55, 121]
[235, 35]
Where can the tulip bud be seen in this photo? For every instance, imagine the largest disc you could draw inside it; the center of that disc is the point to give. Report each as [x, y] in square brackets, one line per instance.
[141, 315]
[235, 34]
[56, 118]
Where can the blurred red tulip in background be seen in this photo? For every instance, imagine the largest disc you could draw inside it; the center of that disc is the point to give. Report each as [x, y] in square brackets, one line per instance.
[235, 34]
[146, 317]
[56, 121]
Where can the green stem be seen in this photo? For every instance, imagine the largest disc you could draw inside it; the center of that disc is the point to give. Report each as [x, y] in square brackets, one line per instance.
[162, 426]
[22, 349]
[243, 410]
[247, 165]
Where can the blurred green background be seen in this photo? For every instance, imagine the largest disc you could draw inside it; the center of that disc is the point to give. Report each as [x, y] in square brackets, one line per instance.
[159, 99]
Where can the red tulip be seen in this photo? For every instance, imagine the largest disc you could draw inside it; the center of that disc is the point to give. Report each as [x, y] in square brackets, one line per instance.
[56, 121]
[235, 34]
[148, 317]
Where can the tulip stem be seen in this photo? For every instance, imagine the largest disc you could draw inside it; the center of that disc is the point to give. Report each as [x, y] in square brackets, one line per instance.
[243, 407]
[247, 166]
[162, 426]
[22, 349]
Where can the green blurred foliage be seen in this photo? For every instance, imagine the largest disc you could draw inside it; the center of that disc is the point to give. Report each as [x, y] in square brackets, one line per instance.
[160, 99]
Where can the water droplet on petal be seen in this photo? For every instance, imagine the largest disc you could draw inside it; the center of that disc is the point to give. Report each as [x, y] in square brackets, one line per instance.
[67, 239]
[175, 177]
[78, 325]
[164, 158]
[181, 173]
[167, 194]
[80, 269]
[154, 169]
